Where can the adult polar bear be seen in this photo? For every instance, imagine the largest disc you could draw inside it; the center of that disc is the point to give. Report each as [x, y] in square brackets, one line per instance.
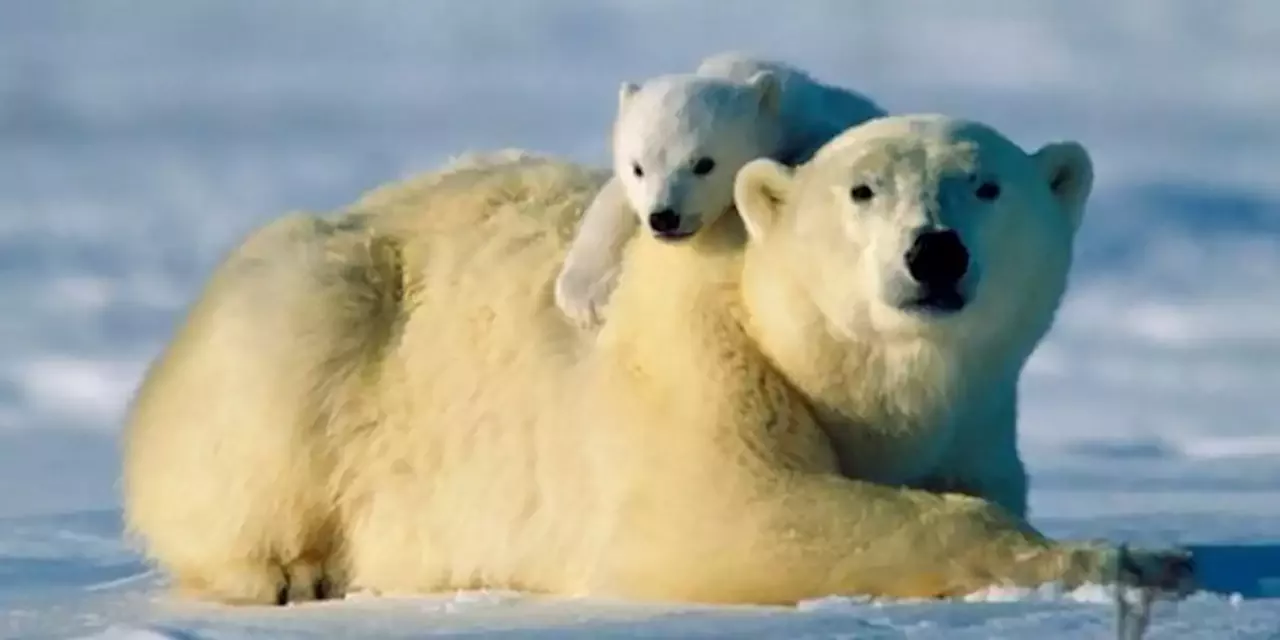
[389, 400]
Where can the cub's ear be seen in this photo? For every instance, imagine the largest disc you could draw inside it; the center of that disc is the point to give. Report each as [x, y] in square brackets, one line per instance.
[768, 89]
[759, 192]
[1068, 169]
[625, 93]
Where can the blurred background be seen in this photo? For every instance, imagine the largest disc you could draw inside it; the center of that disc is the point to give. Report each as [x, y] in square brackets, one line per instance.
[139, 140]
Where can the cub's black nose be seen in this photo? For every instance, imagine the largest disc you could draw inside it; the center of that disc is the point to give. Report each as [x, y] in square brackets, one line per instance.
[938, 259]
[664, 221]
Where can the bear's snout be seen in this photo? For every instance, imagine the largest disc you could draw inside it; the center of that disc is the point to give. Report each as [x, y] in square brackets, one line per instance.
[938, 260]
[667, 224]
[664, 220]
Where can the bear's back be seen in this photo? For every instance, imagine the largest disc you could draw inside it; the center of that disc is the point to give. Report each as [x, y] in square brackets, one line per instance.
[480, 246]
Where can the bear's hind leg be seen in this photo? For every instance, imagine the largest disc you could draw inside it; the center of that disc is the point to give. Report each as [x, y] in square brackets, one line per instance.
[243, 582]
[310, 579]
[259, 582]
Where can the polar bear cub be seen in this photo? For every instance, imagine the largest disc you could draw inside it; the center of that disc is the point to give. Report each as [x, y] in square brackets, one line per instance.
[678, 141]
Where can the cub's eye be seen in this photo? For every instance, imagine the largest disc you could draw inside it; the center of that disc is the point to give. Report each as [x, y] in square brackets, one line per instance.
[636, 170]
[703, 166]
[987, 191]
[861, 193]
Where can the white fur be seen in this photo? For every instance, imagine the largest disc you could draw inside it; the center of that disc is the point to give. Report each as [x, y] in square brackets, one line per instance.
[811, 113]
[733, 109]
[386, 399]
[924, 172]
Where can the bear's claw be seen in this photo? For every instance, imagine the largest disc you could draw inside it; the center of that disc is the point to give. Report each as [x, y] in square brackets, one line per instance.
[1142, 577]
[1168, 572]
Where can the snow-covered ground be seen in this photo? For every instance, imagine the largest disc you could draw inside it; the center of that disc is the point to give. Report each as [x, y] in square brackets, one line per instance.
[139, 140]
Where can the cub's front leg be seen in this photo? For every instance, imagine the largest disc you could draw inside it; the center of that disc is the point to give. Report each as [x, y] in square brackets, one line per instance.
[591, 267]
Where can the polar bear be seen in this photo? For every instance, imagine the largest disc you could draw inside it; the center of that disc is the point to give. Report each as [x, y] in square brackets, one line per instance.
[388, 399]
[678, 141]
[811, 112]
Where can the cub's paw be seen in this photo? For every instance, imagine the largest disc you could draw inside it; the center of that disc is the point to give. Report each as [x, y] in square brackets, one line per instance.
[582, 299]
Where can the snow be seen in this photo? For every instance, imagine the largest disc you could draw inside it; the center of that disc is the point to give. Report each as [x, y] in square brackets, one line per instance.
[138, 141]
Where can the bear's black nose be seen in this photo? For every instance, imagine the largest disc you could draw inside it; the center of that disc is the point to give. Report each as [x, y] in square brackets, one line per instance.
[664, 220]
[938, 259]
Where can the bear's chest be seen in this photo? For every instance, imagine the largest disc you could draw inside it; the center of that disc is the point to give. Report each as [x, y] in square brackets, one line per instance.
[890, 439]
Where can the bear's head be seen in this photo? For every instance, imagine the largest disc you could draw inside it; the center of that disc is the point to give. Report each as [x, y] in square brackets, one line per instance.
[679, 140]
[916, 229]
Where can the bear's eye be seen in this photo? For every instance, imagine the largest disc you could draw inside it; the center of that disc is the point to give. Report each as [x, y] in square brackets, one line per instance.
[703, 166]
[635, 169]
[987, 191]
[861, 193]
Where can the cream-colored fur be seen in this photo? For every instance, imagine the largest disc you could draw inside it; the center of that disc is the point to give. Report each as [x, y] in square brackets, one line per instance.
[389, 399]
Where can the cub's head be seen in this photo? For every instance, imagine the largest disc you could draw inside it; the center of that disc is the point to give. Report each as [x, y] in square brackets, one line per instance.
[920, 227]
[678, 141]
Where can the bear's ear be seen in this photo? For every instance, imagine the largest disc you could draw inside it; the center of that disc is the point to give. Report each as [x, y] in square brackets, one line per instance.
[768, 89]
[1069, 171]
[759, 193]
[625, 92]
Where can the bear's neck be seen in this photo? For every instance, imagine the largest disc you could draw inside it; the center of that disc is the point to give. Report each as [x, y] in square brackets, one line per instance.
[680, 300]
[688, 302]
[667, 287]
